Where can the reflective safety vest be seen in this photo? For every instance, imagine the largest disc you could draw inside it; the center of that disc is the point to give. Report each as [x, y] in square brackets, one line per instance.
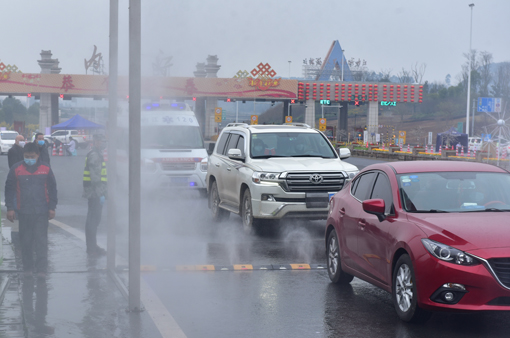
[86, 172]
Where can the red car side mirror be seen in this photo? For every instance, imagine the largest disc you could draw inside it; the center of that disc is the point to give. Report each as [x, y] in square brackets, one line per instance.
[375, 207]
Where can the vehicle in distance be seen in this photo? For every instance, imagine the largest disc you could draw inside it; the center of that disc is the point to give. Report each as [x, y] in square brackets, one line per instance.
[433, 234]
[268, 172]
[173, 151]
[63, 136]
[7, 139]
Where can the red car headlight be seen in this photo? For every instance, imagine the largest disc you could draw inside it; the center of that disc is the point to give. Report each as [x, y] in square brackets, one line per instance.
[448, 254]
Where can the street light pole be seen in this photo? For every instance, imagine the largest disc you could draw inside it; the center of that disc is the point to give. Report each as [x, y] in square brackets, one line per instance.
[135, 78]
[112, 137]
[469, 70]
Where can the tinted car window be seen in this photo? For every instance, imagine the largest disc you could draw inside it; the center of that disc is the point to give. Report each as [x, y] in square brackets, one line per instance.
[221, 143]
[382, 190]
[364, 187]
[232, 142]
[240, 144]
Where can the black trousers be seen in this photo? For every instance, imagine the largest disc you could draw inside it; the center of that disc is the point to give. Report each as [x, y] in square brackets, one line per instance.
[93, 219]
[33, 233]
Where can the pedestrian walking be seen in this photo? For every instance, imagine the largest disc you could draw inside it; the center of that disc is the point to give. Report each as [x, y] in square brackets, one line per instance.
[43, 148]
[71, 147]
[95, 190]
[31, 189]
[15, 154]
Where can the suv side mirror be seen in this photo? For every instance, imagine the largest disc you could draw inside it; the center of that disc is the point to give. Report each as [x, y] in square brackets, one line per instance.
[235, 154]
[375, 207]
[344, 153]
[210, 149]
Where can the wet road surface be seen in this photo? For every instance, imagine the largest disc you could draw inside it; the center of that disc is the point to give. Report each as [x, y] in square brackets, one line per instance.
[177, 230]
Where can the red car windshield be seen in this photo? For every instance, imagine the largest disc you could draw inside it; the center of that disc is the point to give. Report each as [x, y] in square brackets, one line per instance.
[455, 191]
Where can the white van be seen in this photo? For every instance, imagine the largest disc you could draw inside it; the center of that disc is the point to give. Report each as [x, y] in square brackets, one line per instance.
[173, 152]
[7, 138]
[475, 143]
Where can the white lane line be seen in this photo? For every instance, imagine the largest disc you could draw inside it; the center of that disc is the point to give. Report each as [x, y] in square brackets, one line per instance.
[163, 320]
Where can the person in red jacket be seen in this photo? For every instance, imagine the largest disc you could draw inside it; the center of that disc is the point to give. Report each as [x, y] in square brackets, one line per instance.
[31, 189]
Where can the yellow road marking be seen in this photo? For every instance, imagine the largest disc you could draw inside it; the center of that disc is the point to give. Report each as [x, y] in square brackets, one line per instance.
[300, 266]
[243, 267]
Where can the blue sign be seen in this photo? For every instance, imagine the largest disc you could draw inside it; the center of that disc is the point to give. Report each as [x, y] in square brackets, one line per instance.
[489, 104]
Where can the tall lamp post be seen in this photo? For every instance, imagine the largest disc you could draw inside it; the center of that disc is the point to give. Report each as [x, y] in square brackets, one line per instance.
[469, 71]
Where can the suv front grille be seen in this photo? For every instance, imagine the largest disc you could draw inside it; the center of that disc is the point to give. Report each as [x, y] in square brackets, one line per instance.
[501, 267]
[300, 182]
[178, 166]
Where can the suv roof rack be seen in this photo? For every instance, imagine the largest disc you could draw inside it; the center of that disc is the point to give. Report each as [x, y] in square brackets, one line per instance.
[237, 124]
[297, 124]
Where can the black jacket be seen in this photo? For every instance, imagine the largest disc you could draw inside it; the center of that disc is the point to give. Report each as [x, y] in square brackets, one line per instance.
[15, 155]
[31, 189]
[44, 156]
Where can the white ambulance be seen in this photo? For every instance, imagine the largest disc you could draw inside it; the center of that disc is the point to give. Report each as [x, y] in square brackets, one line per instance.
[173, 152]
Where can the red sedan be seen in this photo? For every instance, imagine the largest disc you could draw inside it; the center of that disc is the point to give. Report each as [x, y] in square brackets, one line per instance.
[434, 234]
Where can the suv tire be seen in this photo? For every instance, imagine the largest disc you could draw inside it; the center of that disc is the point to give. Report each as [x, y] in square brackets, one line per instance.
[249, 223]
[335, 272]
[218, 214]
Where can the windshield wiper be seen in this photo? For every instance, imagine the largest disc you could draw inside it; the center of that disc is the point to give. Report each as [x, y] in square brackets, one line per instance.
[312, 156]
[267, 156]
[487, 210]
[429, 211]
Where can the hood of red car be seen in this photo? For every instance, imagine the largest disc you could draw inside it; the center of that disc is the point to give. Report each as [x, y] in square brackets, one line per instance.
[466, 231]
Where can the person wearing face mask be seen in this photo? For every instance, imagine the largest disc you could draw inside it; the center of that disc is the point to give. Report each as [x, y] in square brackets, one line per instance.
[43, 148]
[15, 154]
[31, 189]
[95, 190]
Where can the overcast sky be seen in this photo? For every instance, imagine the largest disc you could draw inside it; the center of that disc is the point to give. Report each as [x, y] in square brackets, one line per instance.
[388, 34]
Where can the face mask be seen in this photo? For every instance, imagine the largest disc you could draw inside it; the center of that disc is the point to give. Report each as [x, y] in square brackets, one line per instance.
[21, 144]
[30, 161]
[40, 142]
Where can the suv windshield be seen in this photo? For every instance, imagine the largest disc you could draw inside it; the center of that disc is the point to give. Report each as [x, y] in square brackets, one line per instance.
[8, 136]
[172, 137]
[295, 144]
[455, 191]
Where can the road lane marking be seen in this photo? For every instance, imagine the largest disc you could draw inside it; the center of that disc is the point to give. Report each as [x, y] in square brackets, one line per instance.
[163, 320]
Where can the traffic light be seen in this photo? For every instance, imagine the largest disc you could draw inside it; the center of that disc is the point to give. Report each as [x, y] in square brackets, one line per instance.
[292, 101]
[62, 96]
[365, 127]
[29, 95]
[194, 98]
[230, 100]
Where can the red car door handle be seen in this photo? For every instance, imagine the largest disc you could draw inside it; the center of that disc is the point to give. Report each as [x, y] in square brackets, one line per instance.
[342, 211]
[362, 224]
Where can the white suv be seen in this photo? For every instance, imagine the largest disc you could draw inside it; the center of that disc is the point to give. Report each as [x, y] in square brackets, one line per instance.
[267, 172]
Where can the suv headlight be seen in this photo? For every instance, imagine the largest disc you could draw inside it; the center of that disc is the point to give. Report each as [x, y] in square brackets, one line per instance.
[351, 174]
[448, 254]
[204, 164]
[261, 176]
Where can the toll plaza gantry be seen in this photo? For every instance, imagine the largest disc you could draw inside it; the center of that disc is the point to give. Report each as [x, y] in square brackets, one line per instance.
[208, 91]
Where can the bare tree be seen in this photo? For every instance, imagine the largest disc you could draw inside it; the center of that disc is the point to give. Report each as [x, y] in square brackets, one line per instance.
[501, 87]
[417, 72]
[485, 62]
[385, 75]
[404, 76]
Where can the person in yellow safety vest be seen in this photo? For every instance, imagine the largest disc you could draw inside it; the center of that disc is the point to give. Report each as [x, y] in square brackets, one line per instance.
[95, 190]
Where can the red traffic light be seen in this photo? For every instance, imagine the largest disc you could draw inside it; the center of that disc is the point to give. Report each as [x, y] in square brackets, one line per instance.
[29, 95]
[194, 98]
[61, 96]
[228, 100]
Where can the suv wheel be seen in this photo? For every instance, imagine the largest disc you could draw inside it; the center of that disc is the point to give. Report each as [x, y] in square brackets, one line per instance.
[249, 223]
[218, 213]
[404, 292]
[335, 272]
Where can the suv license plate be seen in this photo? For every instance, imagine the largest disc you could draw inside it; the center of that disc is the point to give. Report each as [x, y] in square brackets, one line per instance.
[317, 200]
[179, 180]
